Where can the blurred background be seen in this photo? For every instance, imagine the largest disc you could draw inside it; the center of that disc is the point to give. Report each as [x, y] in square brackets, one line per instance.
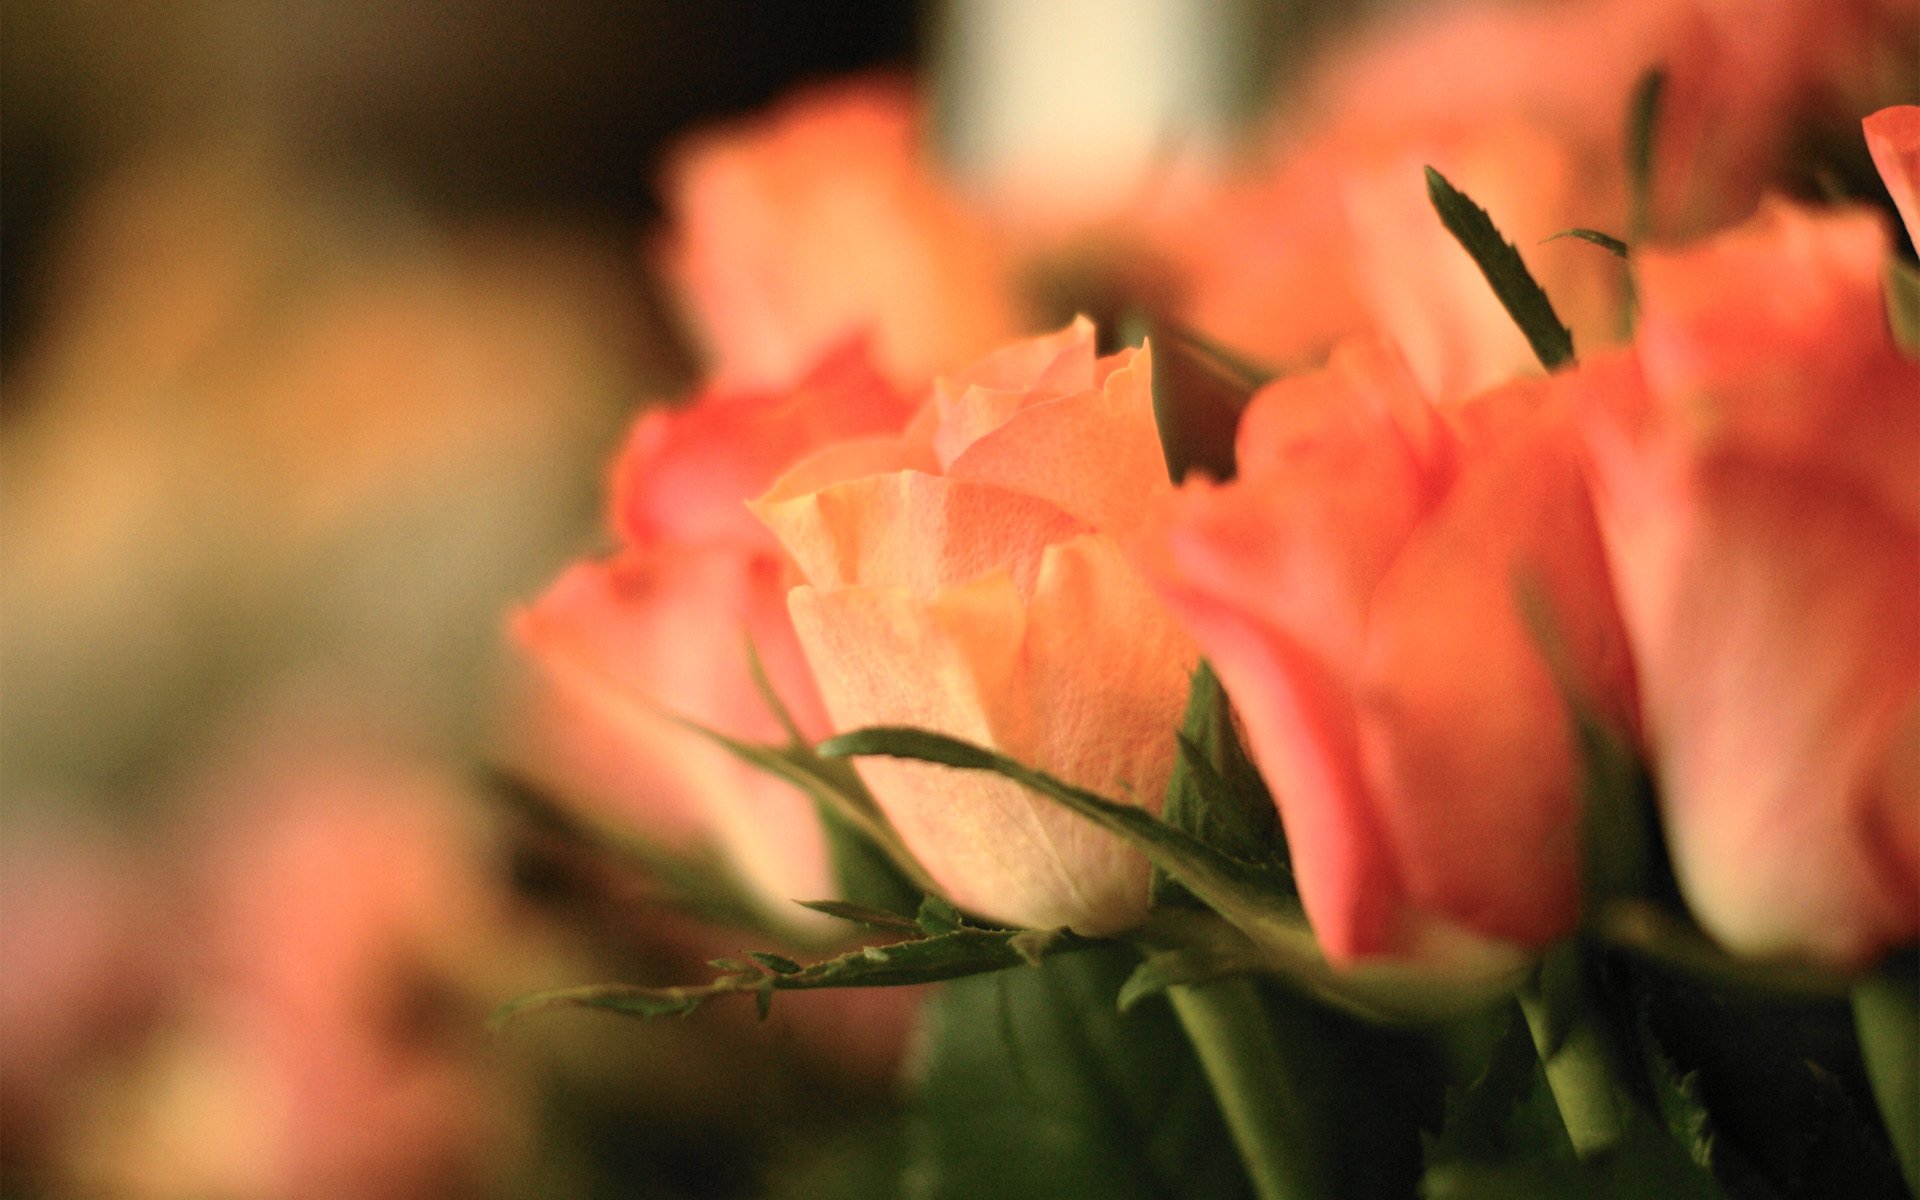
[319, 323]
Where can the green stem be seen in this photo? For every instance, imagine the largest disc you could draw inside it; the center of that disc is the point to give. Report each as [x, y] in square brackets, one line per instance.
[1574, 1055]
[1886, 1014]
[1248, 1068]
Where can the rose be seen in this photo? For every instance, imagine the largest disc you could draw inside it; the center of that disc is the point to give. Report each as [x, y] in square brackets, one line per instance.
[1754, 464]
[661, 629]
[825, 218]
[1359, 588]
[967, 578]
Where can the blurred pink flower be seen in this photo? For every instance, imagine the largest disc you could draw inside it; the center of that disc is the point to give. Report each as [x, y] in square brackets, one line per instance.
[825, 218]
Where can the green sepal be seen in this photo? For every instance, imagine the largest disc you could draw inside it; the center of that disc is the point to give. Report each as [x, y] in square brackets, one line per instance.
[1901, 282]
[1199, 391]
[1505, 271]
[961, 952]
[1215, 793]
[1886, 1014]
[1504, 1137]
[1643, 124]
[861, 914]
[1605, 241]
[936, 916]
[1261, 918]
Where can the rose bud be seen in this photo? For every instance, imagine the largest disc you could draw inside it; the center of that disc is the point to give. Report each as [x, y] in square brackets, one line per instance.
[967, 578]
[1754, 472]
[661, 630]
[1359, 589]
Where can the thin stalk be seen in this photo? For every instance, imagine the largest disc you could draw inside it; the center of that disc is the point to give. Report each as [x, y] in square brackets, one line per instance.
[1574, 1055]
[1247, 1066]
[1886, 1015]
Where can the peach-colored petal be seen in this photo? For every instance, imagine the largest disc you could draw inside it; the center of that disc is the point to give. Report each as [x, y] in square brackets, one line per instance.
[1893, 138]
[1051, 364]
[885, 657]
[1094, 453]
[1100, 696]
[915, 531]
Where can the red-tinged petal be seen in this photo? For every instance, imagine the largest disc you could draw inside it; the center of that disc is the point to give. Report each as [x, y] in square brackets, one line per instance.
[1893, 138]
[1770, 342]
[1299, 729]
[1455, 682]
[618, 647]
[688, 471]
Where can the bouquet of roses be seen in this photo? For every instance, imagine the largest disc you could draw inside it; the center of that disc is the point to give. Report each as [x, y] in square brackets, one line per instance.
[1328, 731]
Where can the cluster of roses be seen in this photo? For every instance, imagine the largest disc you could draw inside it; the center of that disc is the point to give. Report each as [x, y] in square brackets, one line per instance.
[1706, 541]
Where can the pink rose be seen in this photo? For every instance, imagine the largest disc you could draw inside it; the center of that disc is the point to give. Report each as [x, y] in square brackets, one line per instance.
[1754, 463]
[1356, 589]
[967, 578]
[661, 630]
[826, 218]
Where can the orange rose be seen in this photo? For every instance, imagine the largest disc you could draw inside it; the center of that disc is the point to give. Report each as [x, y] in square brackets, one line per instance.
[822, 219]
[663, 626]
[1893, 137]
[1754, 464]
[1356, 589]
[966, 578]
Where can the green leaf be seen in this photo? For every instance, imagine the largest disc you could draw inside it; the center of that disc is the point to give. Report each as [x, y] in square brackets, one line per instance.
[860, 914]
[1199, 392]
[1255, 898]
[937, 916]
[1215, 794]
[1034, 1086]
[1643, 121]
[953, 955]
[1504, 1137]
[1605, 241]
[1777, 1076]
[1886, 1012]
[1505, 271]
[1902, 286]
